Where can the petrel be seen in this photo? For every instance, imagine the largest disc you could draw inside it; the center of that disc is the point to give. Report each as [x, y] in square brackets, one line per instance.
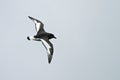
[43, 36]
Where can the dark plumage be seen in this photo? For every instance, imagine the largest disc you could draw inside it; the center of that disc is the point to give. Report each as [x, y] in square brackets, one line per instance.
[43, 36]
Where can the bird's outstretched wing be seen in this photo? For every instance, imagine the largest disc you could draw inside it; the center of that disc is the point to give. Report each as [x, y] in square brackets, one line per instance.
[38, 25]
[49, 47]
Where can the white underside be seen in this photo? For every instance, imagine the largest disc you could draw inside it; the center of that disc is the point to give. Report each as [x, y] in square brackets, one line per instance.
[43, 41]
[37, 25]
[32, 38]
[46, 45]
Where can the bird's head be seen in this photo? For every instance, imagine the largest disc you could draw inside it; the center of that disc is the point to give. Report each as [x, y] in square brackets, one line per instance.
[54, 37]
[51, 36]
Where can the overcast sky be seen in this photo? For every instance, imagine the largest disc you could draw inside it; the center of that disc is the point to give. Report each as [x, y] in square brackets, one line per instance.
[87, 45]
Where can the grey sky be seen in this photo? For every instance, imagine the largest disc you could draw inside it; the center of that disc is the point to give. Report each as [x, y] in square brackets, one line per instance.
[87, 45]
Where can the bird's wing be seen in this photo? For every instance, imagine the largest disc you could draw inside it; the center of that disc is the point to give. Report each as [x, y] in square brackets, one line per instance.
[38, 24]
[49, 47]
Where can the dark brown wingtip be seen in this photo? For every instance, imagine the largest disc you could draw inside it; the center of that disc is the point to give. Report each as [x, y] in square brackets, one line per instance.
[49, 58]
[30, 17]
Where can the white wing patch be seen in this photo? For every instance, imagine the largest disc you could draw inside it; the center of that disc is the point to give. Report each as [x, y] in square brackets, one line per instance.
[46, 45]
[37, 25]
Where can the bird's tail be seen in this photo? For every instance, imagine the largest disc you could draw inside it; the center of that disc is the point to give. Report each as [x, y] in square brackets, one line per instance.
[49, 58]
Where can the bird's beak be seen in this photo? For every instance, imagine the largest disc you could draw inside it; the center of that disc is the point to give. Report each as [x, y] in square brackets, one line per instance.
[55, 37]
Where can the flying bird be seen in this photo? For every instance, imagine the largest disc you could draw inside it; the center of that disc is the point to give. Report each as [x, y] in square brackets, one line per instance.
[43, 36]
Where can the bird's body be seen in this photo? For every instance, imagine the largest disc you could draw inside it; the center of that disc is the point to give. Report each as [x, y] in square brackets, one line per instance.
[43, 36]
